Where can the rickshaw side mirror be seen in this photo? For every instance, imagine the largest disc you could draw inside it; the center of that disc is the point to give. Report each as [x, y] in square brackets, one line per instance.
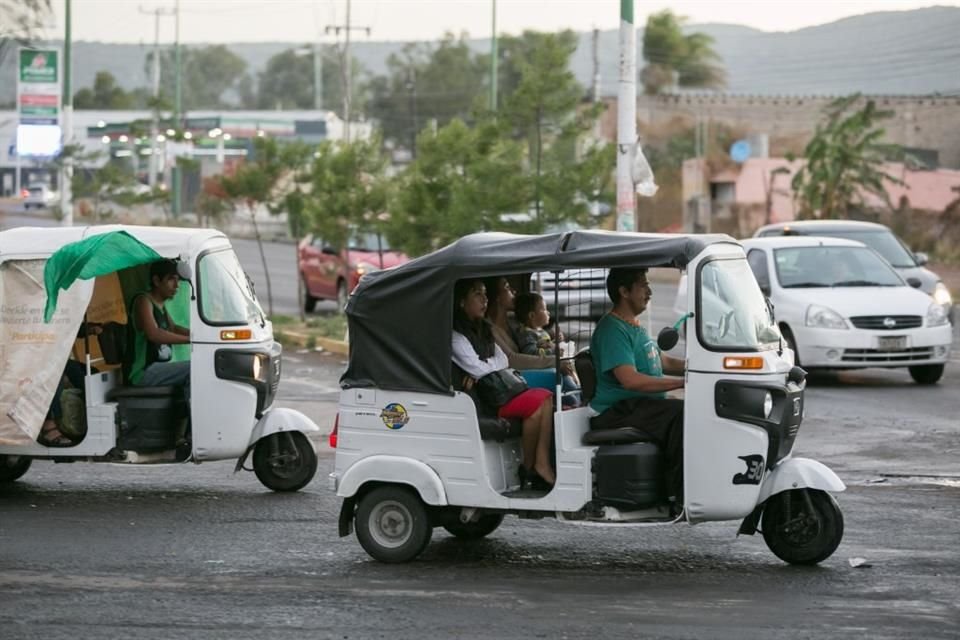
[668, 338]
[184, 270]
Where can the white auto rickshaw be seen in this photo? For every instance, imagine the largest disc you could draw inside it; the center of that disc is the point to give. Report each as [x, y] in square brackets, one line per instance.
[54, 282]
[412, 453]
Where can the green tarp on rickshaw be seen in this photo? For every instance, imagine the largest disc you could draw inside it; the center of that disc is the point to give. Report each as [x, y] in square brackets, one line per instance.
[89, 258]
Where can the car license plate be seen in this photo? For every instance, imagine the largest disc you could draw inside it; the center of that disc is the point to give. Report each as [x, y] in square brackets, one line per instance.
[892, 343]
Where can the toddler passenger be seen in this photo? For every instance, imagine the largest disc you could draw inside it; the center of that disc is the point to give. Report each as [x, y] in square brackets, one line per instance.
[532, 316]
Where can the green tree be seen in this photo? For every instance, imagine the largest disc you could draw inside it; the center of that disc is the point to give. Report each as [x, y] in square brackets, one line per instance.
[265, 181]
[348, 189]
[206, 74]
[463, 180]
[844, 160]
[20, 22]
[542, 109]
[669, 53]
[287, 81]
[105, 94]
[424, 83]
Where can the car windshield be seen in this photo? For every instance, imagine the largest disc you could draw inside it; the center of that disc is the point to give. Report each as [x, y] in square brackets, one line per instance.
[368, 242]
[226, 293]
[810, 267]
[732, 312]
[881, 241]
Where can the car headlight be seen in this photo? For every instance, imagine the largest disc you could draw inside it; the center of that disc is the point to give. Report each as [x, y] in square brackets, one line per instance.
[767, 405]
[365, 267]
[941, 295]
[936, 316]
[824, 318]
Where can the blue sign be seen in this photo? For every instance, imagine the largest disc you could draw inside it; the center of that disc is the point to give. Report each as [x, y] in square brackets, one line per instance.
[740, 151]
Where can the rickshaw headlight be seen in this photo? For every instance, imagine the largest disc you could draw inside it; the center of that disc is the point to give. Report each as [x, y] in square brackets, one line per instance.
[259, 367]
[767, 405]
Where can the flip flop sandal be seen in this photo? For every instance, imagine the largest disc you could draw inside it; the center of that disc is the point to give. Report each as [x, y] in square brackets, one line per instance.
[51, 437]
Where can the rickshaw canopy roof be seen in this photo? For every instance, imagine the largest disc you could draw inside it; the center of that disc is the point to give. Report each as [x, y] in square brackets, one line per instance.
[400, 320]
[23, 243]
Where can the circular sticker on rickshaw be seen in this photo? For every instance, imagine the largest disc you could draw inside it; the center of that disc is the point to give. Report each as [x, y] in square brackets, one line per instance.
[394, 415]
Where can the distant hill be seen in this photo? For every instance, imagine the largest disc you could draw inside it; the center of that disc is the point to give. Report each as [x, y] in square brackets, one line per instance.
[896, 52]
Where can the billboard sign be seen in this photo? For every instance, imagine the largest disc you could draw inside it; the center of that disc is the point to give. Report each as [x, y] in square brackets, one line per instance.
[38, 86]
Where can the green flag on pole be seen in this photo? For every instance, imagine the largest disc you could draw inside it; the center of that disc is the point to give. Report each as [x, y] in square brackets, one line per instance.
[96, 256]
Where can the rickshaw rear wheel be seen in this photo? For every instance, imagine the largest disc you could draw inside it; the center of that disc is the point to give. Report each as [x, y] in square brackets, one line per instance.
[284, 461]
[483, 527]
[13, 467]
[393, 525]
[802, 529]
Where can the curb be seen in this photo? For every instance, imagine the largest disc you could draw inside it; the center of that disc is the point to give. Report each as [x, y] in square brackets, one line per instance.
[328, 344]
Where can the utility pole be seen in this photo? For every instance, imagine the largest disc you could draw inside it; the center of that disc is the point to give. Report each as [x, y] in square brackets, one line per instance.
[345, 67]
[317, 76]
[494, 60]
[155, 123]
[626, 119]
[177, 175]
[66, 173]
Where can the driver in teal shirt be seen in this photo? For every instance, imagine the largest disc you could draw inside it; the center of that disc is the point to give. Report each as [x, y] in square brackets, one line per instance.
[631, 381]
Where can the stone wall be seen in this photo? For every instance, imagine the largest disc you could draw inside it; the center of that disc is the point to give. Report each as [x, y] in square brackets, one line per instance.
[922, 122]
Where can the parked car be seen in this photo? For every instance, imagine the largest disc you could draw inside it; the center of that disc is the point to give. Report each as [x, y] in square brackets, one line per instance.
[881, 239]
[840, 305]
[331, 273]
[39, 196]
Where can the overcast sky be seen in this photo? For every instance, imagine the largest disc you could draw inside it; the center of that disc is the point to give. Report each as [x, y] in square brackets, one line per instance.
[306, 20]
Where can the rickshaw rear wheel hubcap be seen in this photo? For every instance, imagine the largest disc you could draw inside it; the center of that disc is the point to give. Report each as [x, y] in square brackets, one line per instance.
[390, 524]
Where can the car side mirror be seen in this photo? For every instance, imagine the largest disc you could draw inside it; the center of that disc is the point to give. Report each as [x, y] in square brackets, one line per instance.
[921, 258]
[916, 283]
[330, 251]
[668, 338]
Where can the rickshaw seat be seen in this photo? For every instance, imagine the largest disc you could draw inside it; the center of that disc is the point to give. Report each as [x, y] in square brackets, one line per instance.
[623, 435]
[499, 429]
[583, 362]
[165, 391]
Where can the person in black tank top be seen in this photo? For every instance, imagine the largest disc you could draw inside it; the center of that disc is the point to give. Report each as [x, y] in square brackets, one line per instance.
[156, 331]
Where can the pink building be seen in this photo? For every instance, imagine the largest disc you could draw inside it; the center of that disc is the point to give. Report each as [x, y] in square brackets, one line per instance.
[746, 188]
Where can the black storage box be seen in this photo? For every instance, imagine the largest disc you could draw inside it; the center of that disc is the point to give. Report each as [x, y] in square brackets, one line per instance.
[150, 423]
[628, 475]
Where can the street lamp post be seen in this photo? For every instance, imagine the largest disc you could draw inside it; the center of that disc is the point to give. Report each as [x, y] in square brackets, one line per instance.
[66, 175]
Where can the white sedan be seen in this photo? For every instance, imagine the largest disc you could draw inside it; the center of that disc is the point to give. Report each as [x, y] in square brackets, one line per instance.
[840, 305]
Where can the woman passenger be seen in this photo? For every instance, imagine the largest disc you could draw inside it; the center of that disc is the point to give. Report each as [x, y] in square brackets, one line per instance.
[476, 352]
[501, 302]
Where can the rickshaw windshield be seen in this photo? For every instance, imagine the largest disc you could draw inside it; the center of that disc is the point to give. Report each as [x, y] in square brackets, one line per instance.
[732, 312]
[226, 295]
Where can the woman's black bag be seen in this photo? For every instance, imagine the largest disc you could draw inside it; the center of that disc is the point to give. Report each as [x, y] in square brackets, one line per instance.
[500, 387]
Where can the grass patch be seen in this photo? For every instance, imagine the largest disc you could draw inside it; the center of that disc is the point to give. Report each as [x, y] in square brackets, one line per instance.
[290, 332]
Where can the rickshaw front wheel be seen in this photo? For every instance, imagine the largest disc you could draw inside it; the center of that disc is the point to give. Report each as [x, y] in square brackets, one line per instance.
[483, 527]
[284, 461]
[392, 524]
[13, 467]
[802, 526]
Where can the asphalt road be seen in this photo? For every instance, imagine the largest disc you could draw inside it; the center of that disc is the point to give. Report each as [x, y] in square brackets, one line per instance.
[102, 551]
[195, 551]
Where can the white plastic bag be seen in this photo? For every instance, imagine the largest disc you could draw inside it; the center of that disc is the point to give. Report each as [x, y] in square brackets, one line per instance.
[642, 174]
